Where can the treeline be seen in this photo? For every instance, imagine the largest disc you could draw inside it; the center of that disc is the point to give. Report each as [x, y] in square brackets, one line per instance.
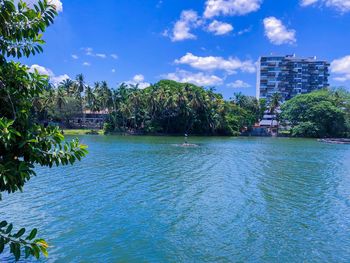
[170, 107]
[165, 107]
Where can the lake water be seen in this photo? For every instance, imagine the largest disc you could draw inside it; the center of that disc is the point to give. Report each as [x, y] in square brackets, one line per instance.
[144, 199]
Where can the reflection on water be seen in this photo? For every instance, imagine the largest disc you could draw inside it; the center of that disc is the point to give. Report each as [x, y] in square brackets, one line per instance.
[140, 199]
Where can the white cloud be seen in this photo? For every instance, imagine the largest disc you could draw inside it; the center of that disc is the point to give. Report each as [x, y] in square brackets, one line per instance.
[200, 78]
[230, 65]
[41, 70]
[56, 3]
[114, 56]
[55, 80]
[189, 19]
[245, 30]
[277, 33]
[138, 78]
[58, 79]
[88, 51]
[113, 70]
[238, 84]
[219, 28]
[342, 6]
[86, 64]
[143, 85]
[341, 67]
[101, 55]
[230, 7]
[75, 56]
[308, 2]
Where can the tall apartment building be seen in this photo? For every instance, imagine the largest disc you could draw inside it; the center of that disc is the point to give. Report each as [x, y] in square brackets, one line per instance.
[290, 76]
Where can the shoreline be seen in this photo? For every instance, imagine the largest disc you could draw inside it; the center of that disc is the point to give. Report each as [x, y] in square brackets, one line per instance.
[100, 132]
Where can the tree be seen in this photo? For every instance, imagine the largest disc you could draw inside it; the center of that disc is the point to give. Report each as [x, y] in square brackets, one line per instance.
[79, 88]
[23, 142]
[67, 85]
[80, 83]
[321, 113]
[253, 110]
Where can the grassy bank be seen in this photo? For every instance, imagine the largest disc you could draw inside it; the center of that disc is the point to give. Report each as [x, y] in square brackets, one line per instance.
[82, 132]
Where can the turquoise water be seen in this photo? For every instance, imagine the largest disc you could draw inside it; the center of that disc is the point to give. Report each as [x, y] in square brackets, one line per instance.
[144, 199]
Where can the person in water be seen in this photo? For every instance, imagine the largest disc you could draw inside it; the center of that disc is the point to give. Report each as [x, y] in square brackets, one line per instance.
[186, 137]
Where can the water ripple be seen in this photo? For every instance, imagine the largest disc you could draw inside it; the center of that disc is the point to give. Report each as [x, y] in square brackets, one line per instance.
[141, 199]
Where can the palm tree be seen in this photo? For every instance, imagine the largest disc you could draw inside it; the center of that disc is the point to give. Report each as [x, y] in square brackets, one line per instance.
[274, 105]
[60, 98]
[80, 83]
[105, 96]
[89, 98]
[79, 87]
[67, 85]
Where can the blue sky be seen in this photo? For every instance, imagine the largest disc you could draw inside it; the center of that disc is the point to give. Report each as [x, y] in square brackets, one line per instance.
[210, 43]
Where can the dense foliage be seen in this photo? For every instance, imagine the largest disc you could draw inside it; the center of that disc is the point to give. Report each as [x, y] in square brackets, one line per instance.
[172, 107]
[323, 113]
[23, 142]
[166, 107]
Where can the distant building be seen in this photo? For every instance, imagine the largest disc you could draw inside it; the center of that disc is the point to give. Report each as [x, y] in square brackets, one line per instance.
[290, 76]
[89, 120]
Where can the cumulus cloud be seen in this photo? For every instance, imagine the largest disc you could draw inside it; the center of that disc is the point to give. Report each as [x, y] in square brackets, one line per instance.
[138, 80]
[342, 6]
[55, 80]
[113, 70]
[277, 33]
[86, 64]
[230, 65]
[230, 7]
[219, 28]
[189, 19]
[58, 79]
[75, 56]
[341, 67]
[57, 4]
[200, 78]
[182, 29]
[41, 70]
[238, 84]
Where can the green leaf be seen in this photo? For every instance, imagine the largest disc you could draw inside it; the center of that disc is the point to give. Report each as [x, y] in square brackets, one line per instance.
[36, 251]
[27, 251]
[20, 233]
[9, 228]
[32, 234]
[3, 223]
[2, 245]
[17, 251]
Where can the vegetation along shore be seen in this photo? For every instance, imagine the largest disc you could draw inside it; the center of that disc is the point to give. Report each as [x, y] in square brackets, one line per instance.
[170, 107]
